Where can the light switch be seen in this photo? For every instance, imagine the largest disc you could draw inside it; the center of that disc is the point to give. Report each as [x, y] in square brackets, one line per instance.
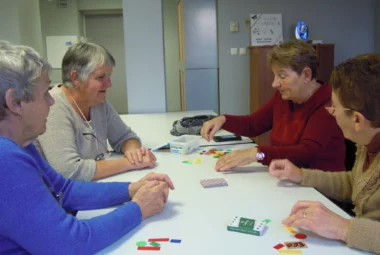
[247, 24]
[243, 51]
[234, 51]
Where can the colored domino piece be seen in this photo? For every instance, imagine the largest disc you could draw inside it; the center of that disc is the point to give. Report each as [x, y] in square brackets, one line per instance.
[209, 152]
[149, 248]
[283, 251]
[141, 243]
[300, 236]
[290, 230]
[278, 246]
[155, 244]
[175, 240]
[212, 183]
[158, 240]
[218, 153]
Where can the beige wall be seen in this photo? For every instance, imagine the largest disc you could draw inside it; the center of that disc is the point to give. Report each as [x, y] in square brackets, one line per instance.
[30, 24]
[58, 21]
[68, 21]
[20, 22]
[173, 100]
[9, 21]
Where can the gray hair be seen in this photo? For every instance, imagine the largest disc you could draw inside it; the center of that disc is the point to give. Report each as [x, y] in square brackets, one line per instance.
[20, 67]
[84, 57]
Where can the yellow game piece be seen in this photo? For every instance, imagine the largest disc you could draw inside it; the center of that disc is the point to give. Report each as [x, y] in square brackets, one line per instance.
[197, 161]
[290, 230]
[283, 251]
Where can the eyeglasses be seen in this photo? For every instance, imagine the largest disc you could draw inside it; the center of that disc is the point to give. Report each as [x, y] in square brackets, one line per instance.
[331, 109]
[103, 155]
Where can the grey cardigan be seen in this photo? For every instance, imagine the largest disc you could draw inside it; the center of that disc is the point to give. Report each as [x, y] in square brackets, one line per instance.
[68, 144]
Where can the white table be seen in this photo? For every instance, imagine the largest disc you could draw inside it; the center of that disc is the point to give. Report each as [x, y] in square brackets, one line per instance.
[154, 129]
[199, 216]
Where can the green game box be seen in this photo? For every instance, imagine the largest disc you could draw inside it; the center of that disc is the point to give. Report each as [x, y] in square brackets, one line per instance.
[243, 225]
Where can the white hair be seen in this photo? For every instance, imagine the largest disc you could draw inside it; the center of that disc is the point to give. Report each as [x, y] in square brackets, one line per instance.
[84, 57]
[20, 67]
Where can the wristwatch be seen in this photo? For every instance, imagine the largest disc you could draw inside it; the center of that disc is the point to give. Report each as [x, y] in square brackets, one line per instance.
[260, 156]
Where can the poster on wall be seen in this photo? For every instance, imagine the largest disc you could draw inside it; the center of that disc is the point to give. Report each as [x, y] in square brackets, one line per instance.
[56, 47]
[266, 29]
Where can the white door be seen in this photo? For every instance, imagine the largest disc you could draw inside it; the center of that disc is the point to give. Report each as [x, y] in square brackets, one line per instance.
[107, 30]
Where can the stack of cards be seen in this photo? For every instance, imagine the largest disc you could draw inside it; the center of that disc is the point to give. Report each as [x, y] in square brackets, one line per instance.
[212, 183]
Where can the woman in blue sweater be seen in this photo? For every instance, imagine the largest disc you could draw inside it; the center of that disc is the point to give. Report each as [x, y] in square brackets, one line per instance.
[34, 199]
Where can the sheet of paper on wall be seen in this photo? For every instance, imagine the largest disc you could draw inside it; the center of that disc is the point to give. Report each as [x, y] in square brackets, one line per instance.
[266, 29]
[56, 47]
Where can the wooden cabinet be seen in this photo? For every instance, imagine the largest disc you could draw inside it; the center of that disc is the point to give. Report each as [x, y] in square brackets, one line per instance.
[261, 76]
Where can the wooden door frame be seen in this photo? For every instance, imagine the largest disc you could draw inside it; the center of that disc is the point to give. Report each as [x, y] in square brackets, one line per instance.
[182, 60]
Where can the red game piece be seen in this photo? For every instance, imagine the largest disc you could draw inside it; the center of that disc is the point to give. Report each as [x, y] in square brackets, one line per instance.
[158, 240]
[148, 248]
[301, 236]
[278, 246]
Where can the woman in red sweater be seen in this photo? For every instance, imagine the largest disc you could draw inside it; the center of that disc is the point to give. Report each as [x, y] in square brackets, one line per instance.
[302, 130]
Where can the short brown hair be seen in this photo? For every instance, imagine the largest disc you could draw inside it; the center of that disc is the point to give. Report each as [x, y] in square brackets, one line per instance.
[356, 82]
[295, 54]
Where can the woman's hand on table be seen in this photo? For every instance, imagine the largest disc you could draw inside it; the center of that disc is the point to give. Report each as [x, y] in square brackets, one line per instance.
[151, 198]
[315, 217]
[135, 186]
[236, 159]
[140, 157]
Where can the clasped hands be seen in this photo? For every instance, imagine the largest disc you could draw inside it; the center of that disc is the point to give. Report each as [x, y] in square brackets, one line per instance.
[140, 157]
[151, 193]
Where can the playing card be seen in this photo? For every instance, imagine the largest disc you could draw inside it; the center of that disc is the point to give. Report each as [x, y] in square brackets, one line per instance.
[212, 183]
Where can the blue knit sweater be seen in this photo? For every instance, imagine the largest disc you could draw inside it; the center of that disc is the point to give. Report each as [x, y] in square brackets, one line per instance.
[32, 220]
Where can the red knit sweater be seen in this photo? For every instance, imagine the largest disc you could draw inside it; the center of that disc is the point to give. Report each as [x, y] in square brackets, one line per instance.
[306, 134]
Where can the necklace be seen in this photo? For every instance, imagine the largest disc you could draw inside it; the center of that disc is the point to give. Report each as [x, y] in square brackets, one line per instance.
[100, 156]
[80, 111]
